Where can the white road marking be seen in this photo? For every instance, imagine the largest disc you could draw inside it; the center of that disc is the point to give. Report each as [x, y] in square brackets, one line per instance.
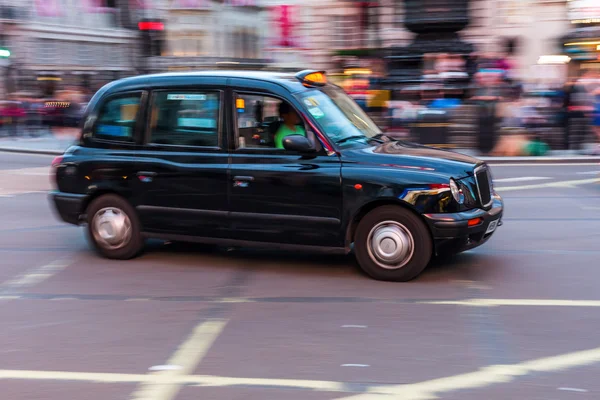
[484, 377]
[164, 368]
[234, 300]
[37, 275]
[561, 184]
[589, 173]
[35, 171]
[516, 302]
[568, 389]
[418, 391]
[199, 380]
[354, 326]
[521, 179]
[559, 165]
[355, 365]
[188, 356]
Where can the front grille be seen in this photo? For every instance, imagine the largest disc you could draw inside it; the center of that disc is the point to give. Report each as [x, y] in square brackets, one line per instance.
[482, 177]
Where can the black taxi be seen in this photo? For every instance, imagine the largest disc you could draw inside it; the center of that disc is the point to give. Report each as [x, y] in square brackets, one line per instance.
[283, 160]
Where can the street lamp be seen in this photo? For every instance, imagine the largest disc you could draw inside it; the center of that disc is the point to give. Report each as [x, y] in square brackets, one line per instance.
[4, 53]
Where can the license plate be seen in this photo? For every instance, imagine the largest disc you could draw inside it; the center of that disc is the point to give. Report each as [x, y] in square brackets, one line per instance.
[492, 227]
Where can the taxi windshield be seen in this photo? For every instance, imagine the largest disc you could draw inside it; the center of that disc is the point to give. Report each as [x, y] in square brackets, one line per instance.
[341, 119]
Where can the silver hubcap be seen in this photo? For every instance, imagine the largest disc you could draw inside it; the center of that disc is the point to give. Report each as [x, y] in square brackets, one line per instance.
[111, 228]
[390, 245]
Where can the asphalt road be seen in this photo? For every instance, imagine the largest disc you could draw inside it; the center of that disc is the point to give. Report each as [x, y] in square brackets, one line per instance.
[515, 319]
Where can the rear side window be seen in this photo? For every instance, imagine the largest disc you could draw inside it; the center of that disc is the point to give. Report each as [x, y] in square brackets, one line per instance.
[117, 118]
[185, 118]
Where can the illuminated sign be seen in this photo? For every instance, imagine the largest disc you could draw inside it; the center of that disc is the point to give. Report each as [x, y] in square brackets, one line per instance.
[312, 78]
[57, 104]
[584, 11]
[151, 26]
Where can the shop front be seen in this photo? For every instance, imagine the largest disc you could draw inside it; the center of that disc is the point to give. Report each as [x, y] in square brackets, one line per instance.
[582, 43]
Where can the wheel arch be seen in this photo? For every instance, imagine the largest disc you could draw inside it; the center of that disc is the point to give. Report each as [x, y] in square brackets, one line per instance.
[368, 207]
[99, 193]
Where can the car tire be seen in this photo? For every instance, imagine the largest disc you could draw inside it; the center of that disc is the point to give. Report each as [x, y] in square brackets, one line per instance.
[113, 227]
[392, 244]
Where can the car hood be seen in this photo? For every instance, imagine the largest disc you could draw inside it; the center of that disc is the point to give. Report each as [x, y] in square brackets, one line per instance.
[414, 156]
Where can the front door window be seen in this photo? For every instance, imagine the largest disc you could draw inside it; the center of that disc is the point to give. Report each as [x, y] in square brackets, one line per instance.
[263, 122]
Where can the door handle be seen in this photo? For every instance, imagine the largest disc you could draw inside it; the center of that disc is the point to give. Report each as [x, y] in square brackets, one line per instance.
[243, 178]
[147, 173]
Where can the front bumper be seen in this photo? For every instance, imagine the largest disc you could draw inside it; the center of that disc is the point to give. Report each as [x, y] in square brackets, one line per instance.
[68, 206]
[452, 233]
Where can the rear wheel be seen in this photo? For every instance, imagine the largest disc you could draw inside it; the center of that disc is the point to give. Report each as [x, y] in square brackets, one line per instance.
[114, 228]
[392, 244]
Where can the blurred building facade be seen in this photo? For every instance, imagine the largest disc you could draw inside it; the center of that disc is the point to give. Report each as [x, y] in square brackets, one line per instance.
[327, 34]
[89, 42]
[75, 42]
[207, 33]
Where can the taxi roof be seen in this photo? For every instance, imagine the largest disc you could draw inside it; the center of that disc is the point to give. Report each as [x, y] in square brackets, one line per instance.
[285, 79]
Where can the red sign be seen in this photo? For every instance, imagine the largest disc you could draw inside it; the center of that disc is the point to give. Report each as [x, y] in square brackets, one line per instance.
[151, 26]
[285, 23]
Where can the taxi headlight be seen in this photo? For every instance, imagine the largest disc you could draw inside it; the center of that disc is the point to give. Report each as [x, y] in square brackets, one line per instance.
[456, 192]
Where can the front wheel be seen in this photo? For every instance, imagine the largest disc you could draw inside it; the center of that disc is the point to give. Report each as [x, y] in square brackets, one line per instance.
[392, 244]
[114, 228]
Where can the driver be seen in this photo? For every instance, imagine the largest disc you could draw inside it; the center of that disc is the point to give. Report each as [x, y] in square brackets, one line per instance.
[291, 124]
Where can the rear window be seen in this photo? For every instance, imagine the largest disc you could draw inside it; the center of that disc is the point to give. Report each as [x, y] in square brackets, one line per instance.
[185, 118]
[117, 118]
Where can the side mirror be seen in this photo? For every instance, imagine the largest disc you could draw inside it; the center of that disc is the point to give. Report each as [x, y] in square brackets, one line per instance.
[298, 143]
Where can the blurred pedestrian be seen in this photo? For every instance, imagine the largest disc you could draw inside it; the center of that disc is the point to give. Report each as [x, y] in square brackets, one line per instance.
[596, 120]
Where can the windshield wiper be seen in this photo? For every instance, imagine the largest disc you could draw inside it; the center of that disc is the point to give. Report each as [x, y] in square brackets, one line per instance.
[353, 137]
[356, 137]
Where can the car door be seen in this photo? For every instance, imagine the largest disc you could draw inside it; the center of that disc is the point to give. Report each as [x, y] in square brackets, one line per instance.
[112, 131]
[277, 195]
[183, 163]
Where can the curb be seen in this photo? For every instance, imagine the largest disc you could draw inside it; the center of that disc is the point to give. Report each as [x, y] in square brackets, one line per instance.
[31, 151]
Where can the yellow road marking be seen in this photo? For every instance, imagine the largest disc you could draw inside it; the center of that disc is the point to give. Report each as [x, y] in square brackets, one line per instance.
[516, 302]
[487, 376]
[561, 184]
[187, 357]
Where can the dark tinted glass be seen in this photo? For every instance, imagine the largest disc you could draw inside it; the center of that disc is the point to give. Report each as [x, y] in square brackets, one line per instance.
[185, 119]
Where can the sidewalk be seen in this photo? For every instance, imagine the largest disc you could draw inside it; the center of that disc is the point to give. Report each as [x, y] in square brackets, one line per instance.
[55, 142]
[52, 142]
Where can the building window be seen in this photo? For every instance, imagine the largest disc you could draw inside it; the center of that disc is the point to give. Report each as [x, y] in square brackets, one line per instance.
[513, 12]
[185, 119]
[346, 31]
[186, 44]
[47, 52]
